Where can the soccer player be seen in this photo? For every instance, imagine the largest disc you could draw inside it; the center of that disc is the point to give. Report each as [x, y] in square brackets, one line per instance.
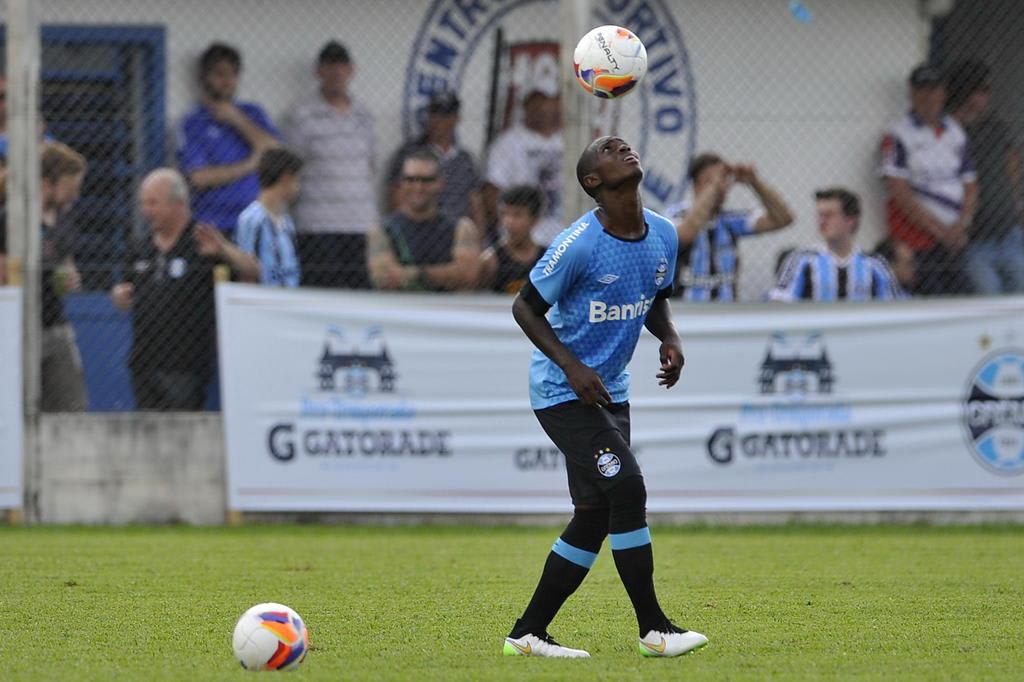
[603, 279]
[840, 271]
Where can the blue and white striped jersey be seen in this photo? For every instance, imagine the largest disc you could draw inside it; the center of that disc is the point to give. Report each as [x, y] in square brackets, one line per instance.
[819, 275]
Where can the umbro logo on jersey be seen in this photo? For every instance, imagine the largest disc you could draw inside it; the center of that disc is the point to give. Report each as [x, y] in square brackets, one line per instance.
[607, 279]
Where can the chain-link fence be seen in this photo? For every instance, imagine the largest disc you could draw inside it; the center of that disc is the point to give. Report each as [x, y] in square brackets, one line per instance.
[430, 140]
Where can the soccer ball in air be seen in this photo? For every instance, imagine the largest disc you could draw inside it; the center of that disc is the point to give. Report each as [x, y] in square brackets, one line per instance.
[609, 61]
[270, 637]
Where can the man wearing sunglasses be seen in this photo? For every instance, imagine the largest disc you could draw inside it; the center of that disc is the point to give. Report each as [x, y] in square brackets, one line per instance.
[418, 247]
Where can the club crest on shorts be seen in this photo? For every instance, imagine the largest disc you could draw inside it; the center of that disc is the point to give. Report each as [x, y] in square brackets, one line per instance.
[608, 463]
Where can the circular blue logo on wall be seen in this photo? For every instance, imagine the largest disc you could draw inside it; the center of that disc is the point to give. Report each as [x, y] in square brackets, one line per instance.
[659, 119]
[993, 413]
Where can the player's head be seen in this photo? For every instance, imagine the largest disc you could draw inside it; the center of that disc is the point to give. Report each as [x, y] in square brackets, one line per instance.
[542, 111]
[703, 170]
[219, 68]
[163, 199]
[927, 92]
[334, 69]
[838, 213]
[421, 181]
[62, 170]
[608, 162]
[279, 167]
[519, 209]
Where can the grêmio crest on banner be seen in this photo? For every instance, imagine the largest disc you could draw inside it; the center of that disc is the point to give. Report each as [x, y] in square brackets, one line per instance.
[512, 47]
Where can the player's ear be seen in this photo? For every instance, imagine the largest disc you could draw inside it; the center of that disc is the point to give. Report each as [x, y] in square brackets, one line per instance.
[591, 182]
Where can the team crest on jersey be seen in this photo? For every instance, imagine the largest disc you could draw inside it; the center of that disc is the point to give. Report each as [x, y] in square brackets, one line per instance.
[608, 463]
[661, 272]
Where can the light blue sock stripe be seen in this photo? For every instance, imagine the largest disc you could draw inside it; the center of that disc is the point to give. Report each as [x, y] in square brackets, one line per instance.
[634, 538]
[580, 557]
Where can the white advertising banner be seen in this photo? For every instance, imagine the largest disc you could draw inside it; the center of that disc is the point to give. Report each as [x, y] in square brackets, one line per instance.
[10, 398]
[364, 401]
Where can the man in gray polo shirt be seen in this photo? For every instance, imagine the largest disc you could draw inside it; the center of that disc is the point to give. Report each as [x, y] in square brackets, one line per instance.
[337, 206]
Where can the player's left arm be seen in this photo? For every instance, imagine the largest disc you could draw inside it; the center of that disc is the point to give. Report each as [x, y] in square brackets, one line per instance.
[659, 323]
[463, 270]
[777, 213]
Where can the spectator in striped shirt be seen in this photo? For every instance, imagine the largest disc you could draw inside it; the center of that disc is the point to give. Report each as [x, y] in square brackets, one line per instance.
[708, 235]
[334, 134]
[839, 271]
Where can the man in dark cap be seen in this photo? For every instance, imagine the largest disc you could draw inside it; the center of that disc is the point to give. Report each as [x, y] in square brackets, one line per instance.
[930, 183]
[335, 135]
[995, 247]
[461, 194]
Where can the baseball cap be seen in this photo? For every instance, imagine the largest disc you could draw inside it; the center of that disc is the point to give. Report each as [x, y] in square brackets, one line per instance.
[445, 103]
[926, 76]
[334, 53]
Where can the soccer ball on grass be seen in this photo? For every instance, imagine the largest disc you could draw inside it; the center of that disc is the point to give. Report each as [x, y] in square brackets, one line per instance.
[270, 637]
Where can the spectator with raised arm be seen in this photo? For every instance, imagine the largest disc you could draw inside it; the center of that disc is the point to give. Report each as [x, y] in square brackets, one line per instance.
[220, 140]
[418, 247]
[334, 134]
[708, 234]
[168, 287]
[837, 271]
[930, 183]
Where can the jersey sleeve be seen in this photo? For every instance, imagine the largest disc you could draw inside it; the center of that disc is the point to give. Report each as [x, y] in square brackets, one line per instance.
[561, 265]
[790, 281]
[189, 149]
[245, 234]
[884, 286]
[893, 157]
[741, 224]
[672, 242]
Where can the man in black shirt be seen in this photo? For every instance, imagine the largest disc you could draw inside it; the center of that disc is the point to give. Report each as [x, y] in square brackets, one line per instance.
[168, 286]
[995, 248]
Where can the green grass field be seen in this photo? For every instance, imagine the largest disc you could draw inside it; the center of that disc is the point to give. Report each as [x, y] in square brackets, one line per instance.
[786, 603]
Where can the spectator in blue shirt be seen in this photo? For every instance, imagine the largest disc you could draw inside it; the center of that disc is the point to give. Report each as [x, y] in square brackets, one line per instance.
[220, 141]
[708, 236]
[265, 229]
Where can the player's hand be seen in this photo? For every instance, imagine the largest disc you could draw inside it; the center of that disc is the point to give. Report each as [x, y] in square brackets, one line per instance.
[209, 240]
[587, 385]
[672, 362]
[745, 173]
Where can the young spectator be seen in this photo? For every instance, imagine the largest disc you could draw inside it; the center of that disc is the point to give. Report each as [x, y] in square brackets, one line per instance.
[418, 247]
[840, 271]
[168, 286]
[461, 194]
[930, 182]
[62, 170]
[708, 235]
[334, 134]
[530, 153]
[265, 230]
[505, 267]
[995, 241]
[220, 141]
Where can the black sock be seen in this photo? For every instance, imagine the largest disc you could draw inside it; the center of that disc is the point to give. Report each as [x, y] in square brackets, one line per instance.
[636, 570]
[558, 581]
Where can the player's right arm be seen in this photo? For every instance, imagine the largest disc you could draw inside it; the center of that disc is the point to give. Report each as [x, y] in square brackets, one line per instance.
[553, 275]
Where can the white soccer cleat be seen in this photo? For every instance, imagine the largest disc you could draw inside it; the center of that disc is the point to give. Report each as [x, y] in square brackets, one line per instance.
[532, 645]
[667, 644]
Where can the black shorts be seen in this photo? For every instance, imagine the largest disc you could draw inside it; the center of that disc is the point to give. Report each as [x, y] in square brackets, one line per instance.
[595, 442]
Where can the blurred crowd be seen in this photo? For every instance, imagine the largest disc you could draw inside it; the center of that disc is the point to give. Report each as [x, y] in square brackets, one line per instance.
[301, 202]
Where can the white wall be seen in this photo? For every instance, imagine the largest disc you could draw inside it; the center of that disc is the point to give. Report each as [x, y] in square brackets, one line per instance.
[805, 102]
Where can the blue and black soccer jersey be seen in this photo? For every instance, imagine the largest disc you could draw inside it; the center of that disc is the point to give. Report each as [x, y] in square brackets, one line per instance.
[710, 265]
[600, 288]
[818, 275]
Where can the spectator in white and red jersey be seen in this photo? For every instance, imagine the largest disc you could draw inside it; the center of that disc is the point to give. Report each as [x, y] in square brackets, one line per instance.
[930, 183]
